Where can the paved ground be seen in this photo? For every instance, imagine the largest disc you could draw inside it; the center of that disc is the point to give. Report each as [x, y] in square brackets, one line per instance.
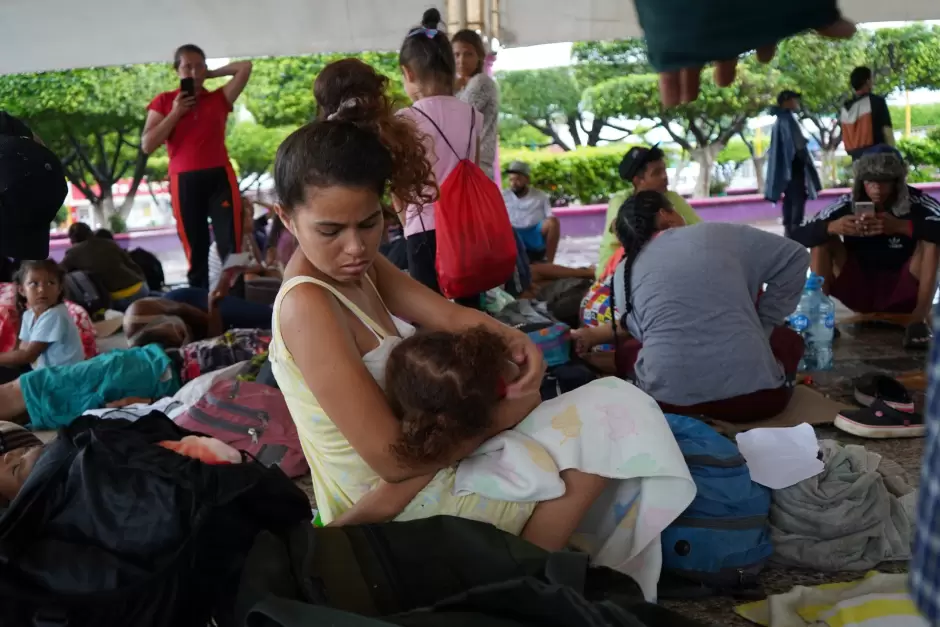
[861, 349]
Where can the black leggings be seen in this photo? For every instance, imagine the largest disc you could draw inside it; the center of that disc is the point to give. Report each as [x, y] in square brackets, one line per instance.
[422, 257]
[199, 196]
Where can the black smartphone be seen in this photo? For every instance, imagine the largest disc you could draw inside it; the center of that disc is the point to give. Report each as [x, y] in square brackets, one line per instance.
[188, 86]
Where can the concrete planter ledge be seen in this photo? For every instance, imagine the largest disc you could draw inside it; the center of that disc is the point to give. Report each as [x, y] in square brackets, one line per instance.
[588, 220]
[576, 221]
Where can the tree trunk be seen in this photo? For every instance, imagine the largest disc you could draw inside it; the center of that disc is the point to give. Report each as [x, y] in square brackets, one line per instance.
[140, 169]
[705, 158]
[683, 164]
[595, 134]
[759, 172]
[103, 209]
[830, 164]
[575, 131]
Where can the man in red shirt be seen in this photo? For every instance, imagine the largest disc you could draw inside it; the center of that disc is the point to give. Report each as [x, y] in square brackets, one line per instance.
[202, 183]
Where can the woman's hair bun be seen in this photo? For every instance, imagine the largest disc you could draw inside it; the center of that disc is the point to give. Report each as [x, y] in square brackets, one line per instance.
[431, 18]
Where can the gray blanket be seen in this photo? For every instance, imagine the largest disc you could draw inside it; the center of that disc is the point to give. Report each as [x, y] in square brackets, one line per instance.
[857, 513]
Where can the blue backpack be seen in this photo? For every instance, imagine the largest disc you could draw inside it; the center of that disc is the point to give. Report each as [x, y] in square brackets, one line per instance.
[722, 541]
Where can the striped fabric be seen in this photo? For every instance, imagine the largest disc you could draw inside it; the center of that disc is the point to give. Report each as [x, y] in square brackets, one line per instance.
[13, 436]
[925, 562]
[877, 600]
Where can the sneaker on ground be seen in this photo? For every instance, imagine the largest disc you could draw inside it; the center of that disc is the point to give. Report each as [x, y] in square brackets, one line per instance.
[880, 422]
[874, 386]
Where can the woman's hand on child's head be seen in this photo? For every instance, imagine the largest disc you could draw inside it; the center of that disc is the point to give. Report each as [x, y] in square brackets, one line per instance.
[528, 357]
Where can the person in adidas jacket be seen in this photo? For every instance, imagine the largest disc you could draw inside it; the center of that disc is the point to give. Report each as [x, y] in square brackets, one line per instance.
[885, 262]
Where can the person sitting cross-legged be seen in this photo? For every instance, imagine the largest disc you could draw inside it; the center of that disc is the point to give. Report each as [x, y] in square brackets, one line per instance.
[530, 212]
[882, 260]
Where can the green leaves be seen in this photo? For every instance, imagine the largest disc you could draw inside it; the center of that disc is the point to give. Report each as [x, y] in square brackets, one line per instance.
[92, 118]
[281, 89]
[715, 116]
[548, 97]
[252, 148]
[544, 96]
[908, 57]
[585, 175]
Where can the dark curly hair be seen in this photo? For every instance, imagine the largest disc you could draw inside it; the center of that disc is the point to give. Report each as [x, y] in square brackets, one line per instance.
[635, 226]
[356, 141]
[444, 387]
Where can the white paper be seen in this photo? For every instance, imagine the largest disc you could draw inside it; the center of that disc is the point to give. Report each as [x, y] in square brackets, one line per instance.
[781, 457]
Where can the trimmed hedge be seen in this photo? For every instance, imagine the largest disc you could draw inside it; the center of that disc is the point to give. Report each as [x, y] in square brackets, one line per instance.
[584, 176]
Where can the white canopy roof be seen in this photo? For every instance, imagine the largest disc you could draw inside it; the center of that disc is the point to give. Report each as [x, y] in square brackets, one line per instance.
[58, 34]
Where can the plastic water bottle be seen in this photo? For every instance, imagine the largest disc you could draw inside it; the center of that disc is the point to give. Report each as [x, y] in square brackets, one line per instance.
[815, 320]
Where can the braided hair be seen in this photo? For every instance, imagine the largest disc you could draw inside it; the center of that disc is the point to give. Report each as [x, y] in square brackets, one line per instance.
[634, 227]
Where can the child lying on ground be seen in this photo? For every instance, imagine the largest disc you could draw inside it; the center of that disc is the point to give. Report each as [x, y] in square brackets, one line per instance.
[20, 450]
[53, 397]
[48, 335]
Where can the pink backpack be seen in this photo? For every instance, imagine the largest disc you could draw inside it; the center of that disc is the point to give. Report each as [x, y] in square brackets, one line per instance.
[250, 417]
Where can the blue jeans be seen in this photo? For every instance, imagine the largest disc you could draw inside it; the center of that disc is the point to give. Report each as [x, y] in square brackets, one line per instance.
[237, 313]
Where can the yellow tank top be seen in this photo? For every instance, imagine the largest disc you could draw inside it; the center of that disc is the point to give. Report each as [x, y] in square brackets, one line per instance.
[339, 475]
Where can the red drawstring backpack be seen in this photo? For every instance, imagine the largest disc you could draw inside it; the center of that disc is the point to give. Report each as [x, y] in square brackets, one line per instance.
[476, 248]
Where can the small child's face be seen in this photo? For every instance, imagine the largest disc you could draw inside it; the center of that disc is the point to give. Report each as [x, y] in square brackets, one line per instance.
[41, 290]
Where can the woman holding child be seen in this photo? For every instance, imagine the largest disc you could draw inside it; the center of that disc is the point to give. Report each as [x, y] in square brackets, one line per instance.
[343, 300]
[392, 425]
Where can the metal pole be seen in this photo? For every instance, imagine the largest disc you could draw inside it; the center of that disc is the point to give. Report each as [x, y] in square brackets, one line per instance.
[461, 14]
[487, 25]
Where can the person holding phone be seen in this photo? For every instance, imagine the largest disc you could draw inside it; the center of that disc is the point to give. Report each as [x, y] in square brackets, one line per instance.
[191, 121]
[876, 248]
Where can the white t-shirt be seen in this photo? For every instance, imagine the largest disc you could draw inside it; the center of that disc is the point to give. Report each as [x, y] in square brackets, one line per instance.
[529, 210]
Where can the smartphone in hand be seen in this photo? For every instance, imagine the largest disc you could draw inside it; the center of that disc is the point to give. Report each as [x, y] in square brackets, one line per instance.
[188, 86]
[863, 209]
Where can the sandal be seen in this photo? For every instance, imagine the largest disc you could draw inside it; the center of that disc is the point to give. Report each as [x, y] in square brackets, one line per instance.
[917, 335]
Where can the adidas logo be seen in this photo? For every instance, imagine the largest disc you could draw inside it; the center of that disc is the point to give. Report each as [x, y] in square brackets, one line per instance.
[894, 242]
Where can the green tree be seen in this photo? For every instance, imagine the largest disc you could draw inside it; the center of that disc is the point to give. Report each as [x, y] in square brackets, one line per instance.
[514, 133]
[92, 118]
[907, 58]
[543, 99]
[280, 93]
[549, 98]
[599, 61]
[923, 155]
[252, 148]
[702, 128]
